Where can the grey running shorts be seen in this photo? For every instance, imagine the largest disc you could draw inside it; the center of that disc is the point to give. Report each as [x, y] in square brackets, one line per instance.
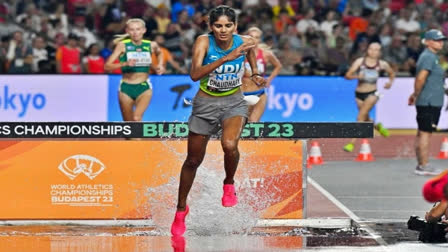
[209, 112]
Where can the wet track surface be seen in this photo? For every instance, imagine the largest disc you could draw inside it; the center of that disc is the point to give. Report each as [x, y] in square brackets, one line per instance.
[89, 238]
[96, 238]
[394, 232]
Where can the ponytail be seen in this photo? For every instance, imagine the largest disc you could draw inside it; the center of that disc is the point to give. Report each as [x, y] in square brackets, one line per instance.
[120, 37]
[265, 47]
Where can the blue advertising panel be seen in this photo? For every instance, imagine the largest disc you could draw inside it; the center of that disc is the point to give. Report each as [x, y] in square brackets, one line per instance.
[167, 104]
[31, 98]
[311, 99]
[290, 99]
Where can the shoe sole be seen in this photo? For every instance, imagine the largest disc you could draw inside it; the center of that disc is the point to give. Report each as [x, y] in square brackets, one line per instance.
[424, 173]
[232, 205]
[228, 205]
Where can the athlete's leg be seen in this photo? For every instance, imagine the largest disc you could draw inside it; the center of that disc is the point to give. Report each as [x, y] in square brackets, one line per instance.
[231, 132]
[359, 103]
[195, 154]
[363, 115]
[141, 104]
[258, 109]
[250, 109]
[365, 107]
[350, 146]
[126, 106]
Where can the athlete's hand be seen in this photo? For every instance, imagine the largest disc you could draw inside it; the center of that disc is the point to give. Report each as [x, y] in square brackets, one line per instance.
[268, 83]
[258, 79]
[240, 51]
[388, 85]
[160, 70]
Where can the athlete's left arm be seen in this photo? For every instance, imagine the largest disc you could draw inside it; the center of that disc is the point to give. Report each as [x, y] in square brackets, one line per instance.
[252, 59]
[271, 58]
[156, 49]
[390, 72]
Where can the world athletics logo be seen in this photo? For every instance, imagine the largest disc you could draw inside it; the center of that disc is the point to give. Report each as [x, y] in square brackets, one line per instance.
[77, 164]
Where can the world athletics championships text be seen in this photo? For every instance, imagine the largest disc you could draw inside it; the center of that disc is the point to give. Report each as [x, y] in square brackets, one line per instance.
[72, 130]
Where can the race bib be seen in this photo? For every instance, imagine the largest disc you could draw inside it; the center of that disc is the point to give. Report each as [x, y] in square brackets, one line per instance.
[224, 82]
[141, 58]
[226, 77]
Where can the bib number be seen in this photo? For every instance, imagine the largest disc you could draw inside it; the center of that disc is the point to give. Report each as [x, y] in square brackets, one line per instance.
[220, 86]
[141, 58]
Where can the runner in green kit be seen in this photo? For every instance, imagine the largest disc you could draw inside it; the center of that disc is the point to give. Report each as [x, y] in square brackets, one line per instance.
[134, 54]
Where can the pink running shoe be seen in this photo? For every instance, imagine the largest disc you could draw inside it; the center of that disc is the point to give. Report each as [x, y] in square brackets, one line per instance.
[178, 243]
[178, 227]
[229, 198]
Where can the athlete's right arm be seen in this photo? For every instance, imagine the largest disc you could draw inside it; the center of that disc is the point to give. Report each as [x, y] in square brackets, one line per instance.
[350, 75]
[110, 65]
[200, 47]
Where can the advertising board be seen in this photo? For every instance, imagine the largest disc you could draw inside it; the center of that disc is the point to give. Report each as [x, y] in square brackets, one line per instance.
[53, 98]
[114, 179]
[290, 99]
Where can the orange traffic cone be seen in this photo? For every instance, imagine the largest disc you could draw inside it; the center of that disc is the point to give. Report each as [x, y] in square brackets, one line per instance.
[365, 154]
[308, 165]
[443, 154]
[315, 156]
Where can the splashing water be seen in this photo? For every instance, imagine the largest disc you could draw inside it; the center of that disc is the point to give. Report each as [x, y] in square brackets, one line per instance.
[162, 205]
[207, 216]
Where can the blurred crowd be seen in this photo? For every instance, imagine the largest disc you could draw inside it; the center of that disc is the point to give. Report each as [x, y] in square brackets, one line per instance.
[310, 37]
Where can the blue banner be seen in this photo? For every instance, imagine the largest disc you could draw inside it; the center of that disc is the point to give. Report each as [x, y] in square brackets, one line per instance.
[47, 98]
[311, 99]
[167, 103]
[290, 99]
